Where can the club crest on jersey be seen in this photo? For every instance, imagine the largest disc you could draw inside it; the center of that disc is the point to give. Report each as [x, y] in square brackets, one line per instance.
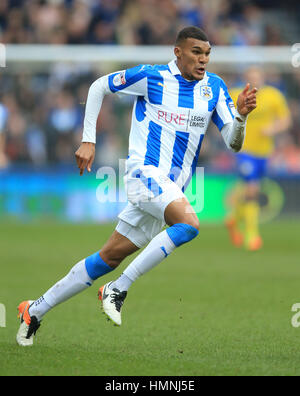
[119, 79]
[206, 92]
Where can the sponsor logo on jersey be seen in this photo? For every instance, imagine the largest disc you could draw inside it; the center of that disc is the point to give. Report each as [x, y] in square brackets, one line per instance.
[178, 119]
[197, 121]
[206, 92]
[194, 121]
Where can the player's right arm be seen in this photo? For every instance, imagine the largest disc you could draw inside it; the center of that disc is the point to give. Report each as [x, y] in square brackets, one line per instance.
[130, 82]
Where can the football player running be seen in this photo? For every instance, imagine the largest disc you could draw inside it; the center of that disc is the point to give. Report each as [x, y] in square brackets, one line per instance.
[164, 146]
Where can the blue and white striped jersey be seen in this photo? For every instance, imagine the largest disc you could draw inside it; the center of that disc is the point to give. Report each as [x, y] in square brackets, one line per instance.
[170, 116]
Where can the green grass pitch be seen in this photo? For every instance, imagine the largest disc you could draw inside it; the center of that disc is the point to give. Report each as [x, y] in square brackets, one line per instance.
[209, 309]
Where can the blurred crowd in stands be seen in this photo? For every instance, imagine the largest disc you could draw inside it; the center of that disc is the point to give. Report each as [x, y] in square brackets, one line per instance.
[41, 113]
[227, 22]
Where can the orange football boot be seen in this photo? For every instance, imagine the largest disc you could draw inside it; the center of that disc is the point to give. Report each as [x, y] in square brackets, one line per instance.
[254, 243]
[28, 326]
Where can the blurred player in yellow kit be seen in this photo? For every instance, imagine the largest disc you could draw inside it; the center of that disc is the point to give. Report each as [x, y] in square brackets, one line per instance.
[271, 117]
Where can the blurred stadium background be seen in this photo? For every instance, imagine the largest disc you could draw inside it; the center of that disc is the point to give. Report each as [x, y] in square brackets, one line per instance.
[229, 311]
[57, 48]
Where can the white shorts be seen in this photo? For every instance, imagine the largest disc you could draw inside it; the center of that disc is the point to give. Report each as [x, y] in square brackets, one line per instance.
[149, 192]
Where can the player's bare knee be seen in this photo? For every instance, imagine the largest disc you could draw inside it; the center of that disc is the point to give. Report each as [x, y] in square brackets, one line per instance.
[191, 220]
[194, 222]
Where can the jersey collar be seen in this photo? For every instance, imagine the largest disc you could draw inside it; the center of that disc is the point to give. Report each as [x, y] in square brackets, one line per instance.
[174, 68]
